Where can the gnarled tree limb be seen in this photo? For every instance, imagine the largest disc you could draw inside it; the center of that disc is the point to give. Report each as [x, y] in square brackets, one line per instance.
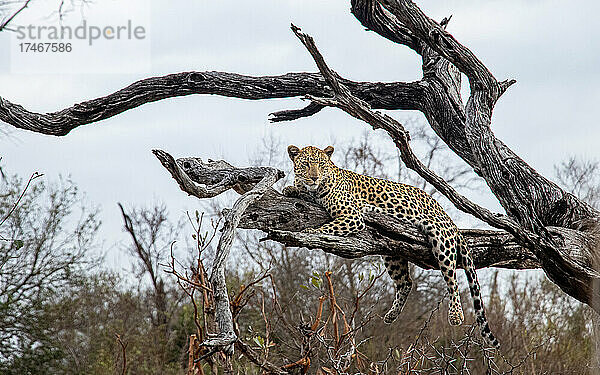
[212, 179]
[282, 217]
[529, 198]
[397, 95]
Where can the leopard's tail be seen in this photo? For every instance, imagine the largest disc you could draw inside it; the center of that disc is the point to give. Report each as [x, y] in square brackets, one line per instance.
[474, 287]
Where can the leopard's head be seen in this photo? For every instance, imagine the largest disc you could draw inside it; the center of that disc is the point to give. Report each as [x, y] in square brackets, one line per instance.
[312, 166]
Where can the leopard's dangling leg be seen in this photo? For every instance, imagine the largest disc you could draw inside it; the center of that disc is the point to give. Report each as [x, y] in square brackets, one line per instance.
[398, 270]
[445, 249]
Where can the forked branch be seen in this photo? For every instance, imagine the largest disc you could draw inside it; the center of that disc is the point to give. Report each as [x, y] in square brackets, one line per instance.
[225, 339]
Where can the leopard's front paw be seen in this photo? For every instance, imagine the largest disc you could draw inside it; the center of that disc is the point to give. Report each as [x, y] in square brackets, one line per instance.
[311, 230]
[290, 191]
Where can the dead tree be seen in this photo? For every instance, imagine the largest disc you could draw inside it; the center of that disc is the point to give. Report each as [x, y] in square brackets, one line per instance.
[543, 226]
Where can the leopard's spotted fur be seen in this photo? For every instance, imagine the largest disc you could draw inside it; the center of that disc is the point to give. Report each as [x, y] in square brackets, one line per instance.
[346, 195]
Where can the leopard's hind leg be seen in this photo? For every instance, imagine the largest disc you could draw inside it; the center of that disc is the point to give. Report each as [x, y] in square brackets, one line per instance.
[445, 249]
[398, 270]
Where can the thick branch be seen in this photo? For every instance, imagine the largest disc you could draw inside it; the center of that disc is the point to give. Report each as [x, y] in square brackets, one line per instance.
[442, 42]
[380, 95]
[282, 218]
[442, 104]
[378, 19]
[223, 314]
[207, 180]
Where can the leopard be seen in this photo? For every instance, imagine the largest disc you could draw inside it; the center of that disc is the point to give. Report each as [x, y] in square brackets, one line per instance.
[347, 196]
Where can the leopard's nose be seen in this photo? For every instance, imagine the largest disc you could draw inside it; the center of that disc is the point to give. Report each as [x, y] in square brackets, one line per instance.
[314, 178]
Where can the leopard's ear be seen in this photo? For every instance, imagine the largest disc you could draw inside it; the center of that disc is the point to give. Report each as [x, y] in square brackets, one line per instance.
[293, 151]
[328, 151]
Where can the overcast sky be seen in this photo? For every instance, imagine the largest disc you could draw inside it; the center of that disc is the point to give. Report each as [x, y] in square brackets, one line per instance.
[549, 47]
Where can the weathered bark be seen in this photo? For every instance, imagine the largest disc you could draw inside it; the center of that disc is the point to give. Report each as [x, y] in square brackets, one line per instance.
[397, 95]
[554, 225]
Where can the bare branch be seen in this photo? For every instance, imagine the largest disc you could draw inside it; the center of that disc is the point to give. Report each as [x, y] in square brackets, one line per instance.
[9, 19]
[282, 218]
[232, 219]
[437, 38]
[213, 178]
[124, 352]
[16, 204]
[504, 85]
[294, 114]
[378, 19]
[60, 123]
[142, 253]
